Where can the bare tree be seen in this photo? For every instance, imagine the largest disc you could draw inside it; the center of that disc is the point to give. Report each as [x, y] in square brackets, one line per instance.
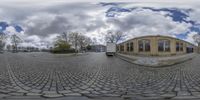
[79, 41]
[94, 41]
[88, 41]
[15, 40]
[196, 38]
[114, 37]
[65, 36]
[2, 43]
[73, 38]
[61, 46]
[84, 41]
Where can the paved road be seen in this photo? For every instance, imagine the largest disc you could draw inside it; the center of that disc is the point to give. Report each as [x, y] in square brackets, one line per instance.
[93, 76]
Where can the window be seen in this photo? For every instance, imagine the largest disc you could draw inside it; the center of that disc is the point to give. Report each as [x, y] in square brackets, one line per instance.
[167, 45]
[140, 43]
[131, 46]
[179, 46]
[144, 45]
[118, 48]
[127, 47]
[121, 47]
[147, 45]
[163, 45]
[160, 45]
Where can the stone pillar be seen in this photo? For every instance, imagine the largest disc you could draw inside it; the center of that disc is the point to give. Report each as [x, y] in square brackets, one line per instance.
[154, 46]
[173, 46]
[135, 42]
[124, 47]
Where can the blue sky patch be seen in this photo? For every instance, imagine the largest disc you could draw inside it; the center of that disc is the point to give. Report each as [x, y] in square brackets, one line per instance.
[4, 25]
[113, 10]
[182, 35]
[177, 15]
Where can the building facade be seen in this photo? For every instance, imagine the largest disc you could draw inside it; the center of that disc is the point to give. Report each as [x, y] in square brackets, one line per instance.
[156, 46]
[1, 45]
[11, 48]
[98, 48]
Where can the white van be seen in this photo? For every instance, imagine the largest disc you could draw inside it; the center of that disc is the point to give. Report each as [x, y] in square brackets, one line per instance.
[110, 49]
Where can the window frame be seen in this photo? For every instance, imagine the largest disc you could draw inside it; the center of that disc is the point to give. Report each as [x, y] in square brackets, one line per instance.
[122, 48]
[118, 47]
[144, 43]
[165, 45]
[179, 46]
[147, 44]
[140, 44]
[131, 48]
[128, 47]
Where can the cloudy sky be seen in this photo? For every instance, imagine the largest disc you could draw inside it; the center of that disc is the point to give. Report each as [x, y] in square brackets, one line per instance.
[38, 22]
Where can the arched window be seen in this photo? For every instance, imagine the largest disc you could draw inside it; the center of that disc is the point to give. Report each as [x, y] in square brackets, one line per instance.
[163, 45]
[144, 45]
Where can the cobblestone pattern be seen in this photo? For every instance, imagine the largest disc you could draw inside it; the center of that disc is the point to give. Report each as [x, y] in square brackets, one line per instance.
[94, 75]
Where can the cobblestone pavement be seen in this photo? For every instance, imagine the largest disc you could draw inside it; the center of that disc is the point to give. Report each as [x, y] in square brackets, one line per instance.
[92, 76]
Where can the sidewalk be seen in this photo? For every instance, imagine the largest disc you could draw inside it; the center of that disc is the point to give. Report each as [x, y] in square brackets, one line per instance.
[156, 61]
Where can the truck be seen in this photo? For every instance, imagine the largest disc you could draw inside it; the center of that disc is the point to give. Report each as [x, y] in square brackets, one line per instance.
[110, 49]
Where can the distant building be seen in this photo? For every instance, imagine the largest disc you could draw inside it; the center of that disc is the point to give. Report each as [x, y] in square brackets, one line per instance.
[156, 46]
[22, 48]
[98, 48]
[28, 49]
[1, 45]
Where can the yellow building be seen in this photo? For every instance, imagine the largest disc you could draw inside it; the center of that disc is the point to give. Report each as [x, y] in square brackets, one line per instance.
[156, 46]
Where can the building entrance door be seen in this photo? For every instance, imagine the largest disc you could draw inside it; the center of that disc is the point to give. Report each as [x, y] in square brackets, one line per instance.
[189, 50]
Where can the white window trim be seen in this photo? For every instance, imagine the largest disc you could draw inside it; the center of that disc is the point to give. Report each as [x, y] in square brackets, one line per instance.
[164, 45]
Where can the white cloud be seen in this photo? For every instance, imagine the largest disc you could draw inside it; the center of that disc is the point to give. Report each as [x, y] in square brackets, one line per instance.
[190, 37]
[1, 10]
[36, 41]
[33, 38]
[195, 15]
[43, 23]
[40, 21]
[10, 30]
[54, 1]
[146, 22]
